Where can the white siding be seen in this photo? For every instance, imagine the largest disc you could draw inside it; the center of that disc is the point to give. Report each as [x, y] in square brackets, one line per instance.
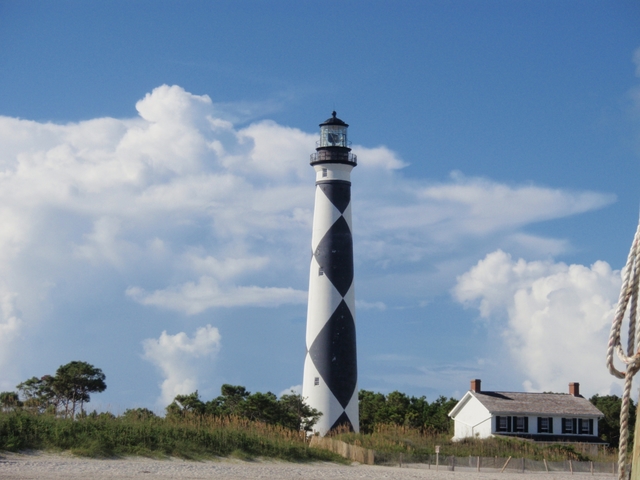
[473, 420]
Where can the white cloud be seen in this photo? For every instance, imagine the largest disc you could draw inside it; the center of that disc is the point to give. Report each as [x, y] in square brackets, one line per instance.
[180, 359]
[293, 389]
[11, 326]
[554, 317]
[180, 209]
[483, 206]
[193, 298]
[364, 305]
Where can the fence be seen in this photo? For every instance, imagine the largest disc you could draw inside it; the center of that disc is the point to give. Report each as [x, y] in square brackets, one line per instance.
[352, 452]
[495, 464]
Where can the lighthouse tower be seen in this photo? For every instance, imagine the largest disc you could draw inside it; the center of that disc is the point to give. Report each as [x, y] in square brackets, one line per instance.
[330, 382]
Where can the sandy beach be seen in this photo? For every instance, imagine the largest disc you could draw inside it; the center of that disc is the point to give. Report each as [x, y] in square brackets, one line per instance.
[46, 466]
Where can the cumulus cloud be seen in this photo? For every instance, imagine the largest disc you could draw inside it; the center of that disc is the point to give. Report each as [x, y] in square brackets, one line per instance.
[180, 359]
[554, 317]
[182, 210]
[10, 330]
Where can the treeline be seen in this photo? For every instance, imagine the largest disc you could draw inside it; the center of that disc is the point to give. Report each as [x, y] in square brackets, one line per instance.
[609, 425]
[289, 411]
[66, 393]
[397, 408]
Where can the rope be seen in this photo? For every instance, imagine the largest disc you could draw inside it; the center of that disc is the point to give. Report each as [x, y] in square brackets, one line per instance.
[628, 300]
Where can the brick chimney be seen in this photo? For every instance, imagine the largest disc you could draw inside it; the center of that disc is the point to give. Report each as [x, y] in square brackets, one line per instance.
[574, 389]
[475, 385]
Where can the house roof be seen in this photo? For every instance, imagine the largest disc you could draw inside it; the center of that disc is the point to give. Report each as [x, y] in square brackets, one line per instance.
[536, 403]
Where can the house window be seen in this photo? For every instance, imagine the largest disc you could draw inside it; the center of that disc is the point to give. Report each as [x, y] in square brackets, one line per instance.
[545, 425]
[503, 424]
[512, 424]
[569, 425]
[521, 424]
[585, 426]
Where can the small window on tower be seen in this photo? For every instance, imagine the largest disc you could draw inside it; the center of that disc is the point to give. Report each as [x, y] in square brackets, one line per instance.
[324, 172]
[316, 381]
[320, 271]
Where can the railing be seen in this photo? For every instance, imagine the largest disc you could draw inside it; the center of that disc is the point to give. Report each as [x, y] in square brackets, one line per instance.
[332, 156]
[319, 144]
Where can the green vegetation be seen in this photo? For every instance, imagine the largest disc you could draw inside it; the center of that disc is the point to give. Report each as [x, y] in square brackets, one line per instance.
[48, 413]
[399, 409]
[61, 393]
[389, 441]
[51, 416]
[288, 411]
[191, 436]
[609, 426]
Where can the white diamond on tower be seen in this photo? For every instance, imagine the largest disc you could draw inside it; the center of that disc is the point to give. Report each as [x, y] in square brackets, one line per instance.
[330, 382]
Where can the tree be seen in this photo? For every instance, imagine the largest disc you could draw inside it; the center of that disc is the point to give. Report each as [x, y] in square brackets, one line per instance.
[437, 418]
[183, 404]
[75, 381]
[139, 414]
[609, 425]
[289, 411]
[40, 394]
[296, 414]
[9, 401]
[371, 407]
[397, 408]
[66, 391]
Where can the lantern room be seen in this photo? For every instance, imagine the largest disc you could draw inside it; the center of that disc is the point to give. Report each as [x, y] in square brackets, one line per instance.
[333, 133]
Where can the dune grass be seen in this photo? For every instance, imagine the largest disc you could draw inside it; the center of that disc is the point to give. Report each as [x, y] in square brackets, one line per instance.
[391, 440]
[197, 437]
[191, 437]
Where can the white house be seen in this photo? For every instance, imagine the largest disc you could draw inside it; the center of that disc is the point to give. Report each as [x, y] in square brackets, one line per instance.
[547, 417]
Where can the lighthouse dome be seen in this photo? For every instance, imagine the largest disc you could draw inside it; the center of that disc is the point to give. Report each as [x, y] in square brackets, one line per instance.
[333, 121]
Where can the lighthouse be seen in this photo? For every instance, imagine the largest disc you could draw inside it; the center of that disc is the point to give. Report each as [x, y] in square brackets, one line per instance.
[330, 382]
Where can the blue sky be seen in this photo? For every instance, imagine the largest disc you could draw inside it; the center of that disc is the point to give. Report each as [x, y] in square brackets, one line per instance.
[156, 198]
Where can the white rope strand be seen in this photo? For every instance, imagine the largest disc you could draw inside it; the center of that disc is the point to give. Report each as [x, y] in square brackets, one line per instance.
[631, 358]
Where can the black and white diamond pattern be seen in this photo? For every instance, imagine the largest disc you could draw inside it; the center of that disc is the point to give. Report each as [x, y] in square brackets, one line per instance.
[330, 377]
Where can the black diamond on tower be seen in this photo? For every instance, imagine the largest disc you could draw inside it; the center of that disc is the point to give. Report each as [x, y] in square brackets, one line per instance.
[334, 254]
[334, 354]
[338, 193]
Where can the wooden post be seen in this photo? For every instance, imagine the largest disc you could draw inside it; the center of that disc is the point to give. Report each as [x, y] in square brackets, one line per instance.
[478, 464]
[505, 464]
[571, 467]
[546, 467]
[635, 459]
